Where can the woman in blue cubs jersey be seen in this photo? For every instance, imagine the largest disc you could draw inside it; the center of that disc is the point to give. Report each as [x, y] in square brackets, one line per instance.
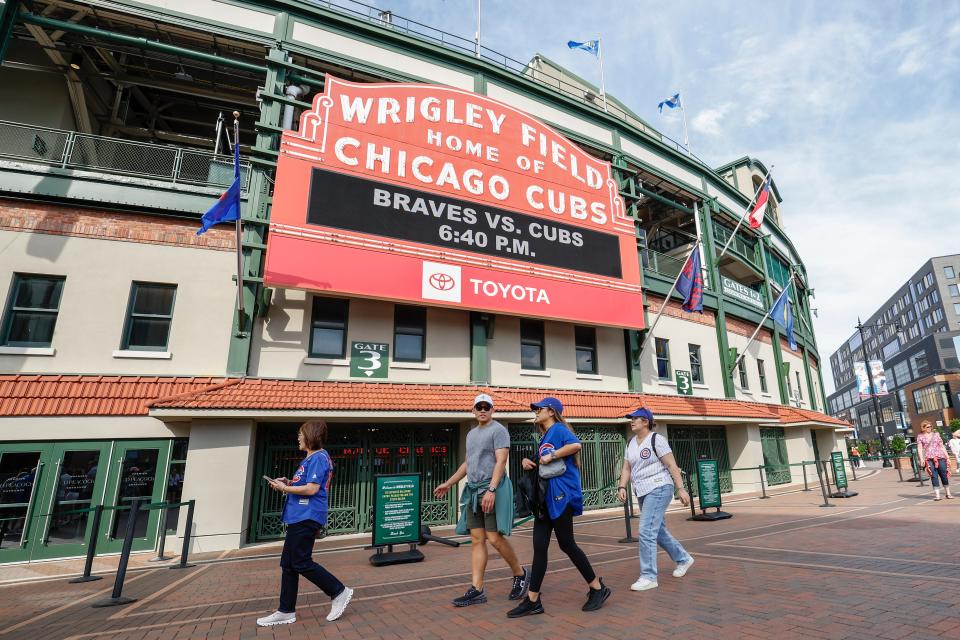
[305, 513]
[563, 497]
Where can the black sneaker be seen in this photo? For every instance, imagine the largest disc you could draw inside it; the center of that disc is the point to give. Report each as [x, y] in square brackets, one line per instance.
[526, 608]
[520, 585]
[472, 596]
[597, 597]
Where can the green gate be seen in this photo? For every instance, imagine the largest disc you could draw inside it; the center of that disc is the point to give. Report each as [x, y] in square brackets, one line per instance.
[359, 452]
[601, 460]
[775, 460]
[690, 444]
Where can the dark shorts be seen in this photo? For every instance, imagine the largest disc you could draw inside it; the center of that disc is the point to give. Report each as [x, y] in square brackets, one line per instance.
[480, 520]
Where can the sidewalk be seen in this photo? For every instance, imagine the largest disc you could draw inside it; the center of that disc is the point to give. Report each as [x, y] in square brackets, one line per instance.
[876, 565]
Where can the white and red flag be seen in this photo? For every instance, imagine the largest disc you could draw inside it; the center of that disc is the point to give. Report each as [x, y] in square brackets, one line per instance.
[755, 217]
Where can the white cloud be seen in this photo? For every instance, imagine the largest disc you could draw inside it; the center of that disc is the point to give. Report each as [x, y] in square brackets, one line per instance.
[710, 121]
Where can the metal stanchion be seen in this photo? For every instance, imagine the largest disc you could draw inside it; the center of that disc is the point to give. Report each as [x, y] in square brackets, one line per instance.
[806, 485]
[899, 468]
[693, 511]
[823, 487]
[91, 548]
[763, 486]
[186, 538]
[162, 535]
[115, 598]
[853, 468]
[626, 519]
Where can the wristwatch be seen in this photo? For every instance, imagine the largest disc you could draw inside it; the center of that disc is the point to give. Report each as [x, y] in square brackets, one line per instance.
[493, 489]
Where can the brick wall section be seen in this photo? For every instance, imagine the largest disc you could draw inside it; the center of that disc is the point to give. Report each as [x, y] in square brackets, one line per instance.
[673, 309]
[745, 328]
[39, 217]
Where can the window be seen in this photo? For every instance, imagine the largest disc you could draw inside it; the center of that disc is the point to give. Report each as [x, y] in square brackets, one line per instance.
[918, 364]
[949, 273]
[149, 314]
[328, 328]
[799, 386]
[890, 349]
[663, 358]
[928, 321]
[32, 311]
[928, 280]
[919, 289]
[902, 372]
[696, 365]
[531, 345]
[956, 308]
[763, 375]
[938, 315]
[931, 398]
[934, 297]
[586, 346]
[742, 370]
[409, 333]
[178, 466]
[914, 332]
[954, 290]
[902, 399]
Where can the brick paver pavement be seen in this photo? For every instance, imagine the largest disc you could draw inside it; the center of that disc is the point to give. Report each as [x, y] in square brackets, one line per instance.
[880, 565]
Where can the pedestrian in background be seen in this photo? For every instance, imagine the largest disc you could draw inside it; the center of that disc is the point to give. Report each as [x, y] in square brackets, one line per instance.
[649, 466]
[305, 513]
[556, 462]
[934, 454]
[855, 456]
[954, 444]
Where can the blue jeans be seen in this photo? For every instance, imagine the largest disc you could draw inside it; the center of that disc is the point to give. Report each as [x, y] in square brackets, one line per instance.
[938, 473]
[653, 531]
[296, 560]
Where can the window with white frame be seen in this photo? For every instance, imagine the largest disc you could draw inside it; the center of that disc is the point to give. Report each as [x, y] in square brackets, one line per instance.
[949, 272]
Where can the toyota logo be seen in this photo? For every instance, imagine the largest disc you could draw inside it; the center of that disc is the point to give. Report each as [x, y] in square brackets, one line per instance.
[442, 281]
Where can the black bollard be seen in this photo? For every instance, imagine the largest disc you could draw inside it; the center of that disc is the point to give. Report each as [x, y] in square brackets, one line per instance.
[823, 487]
[91, 548]
[163, 537]
[626, 520]
[693, 511]
[186, 538]
[763, 486]
[853, 468]
[806, 486]
[116, 597]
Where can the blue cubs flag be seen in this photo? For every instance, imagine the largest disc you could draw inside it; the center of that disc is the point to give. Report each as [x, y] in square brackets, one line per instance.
[690, 284]
[782, 314]
[672, 102]
[227, 208]
[591, 46]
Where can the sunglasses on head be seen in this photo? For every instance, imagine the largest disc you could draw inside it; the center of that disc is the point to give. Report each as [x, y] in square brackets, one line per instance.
[482, 407]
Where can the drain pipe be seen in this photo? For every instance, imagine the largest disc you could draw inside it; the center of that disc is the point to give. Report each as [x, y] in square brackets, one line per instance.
[294, 92]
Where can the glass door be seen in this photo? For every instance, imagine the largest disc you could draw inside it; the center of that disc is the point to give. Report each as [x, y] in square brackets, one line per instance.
[75, 483]
[137, 471]
[21, 474]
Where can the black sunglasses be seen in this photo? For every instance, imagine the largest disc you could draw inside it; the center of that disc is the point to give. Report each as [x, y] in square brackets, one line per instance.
[482, 407]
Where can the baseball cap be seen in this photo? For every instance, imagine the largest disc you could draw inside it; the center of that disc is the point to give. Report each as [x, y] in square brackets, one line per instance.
[483, 397]
[550, 403]
[642, 412]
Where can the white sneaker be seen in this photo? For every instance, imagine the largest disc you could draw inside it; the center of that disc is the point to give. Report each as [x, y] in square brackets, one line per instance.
[682, 568]
[339, 604]
[643, 584]
[277, 617]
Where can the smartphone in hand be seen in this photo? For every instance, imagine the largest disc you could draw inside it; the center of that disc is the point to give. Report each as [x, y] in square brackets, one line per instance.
[268, 478]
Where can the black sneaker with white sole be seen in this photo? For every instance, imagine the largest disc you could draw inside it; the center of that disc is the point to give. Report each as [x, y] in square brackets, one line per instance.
[472, 596]
[520, 585]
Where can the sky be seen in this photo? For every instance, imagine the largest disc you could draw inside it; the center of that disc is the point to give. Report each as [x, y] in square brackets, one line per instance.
[857, 104]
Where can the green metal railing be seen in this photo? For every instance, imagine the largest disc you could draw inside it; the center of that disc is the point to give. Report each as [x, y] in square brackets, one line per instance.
[743, 247]
[74, 150]
[662, 264]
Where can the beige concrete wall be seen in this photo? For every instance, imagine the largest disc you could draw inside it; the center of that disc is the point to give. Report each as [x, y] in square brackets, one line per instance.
[681, 334]
[63, 428]
[799, 449]
[93, 305]
[796, 366]
[757, 350]
[561, 362]
[218, 477]
[282, 342]
[743, 443]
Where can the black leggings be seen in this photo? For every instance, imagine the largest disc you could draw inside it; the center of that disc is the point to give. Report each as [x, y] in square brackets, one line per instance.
[563, 527]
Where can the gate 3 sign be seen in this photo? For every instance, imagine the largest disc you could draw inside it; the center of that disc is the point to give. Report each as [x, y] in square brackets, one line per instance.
[464, 201]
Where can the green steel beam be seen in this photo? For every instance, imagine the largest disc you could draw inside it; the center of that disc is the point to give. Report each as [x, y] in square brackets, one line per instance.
[142, 43]
[706, 225]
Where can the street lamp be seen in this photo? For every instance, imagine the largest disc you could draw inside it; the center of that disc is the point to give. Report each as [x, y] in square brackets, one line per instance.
[873, 394]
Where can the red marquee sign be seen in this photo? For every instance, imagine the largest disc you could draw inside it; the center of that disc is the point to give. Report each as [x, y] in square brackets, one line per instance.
[432, 195]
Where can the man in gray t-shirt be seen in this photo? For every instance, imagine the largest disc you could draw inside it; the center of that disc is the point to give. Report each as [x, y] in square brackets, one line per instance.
[488, 447]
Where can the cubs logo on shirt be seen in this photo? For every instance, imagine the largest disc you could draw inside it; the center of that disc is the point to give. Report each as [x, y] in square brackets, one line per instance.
[546, 449]
[297, 476]
[645, 453]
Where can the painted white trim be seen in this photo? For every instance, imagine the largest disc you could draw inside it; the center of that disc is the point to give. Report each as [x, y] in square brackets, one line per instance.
[535, 373]
[266, 414]
[410, 365]
[666, 383]
[27, 351]
[589, 376]
[698, 385]
[219, 11]
[332, 362]
[142, 355]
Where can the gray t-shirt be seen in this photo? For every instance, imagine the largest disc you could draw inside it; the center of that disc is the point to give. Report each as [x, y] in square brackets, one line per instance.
[482, 445]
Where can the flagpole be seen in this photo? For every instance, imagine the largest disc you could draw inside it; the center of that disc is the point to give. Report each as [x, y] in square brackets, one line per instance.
[236, 142]
[759, 326]
[478, 29]
[666, 300]
[745, 213]
[603, 91]
[683, 112]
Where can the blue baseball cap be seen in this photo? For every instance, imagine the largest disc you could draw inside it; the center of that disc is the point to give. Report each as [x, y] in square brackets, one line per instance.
[642, 412]
[549, 403]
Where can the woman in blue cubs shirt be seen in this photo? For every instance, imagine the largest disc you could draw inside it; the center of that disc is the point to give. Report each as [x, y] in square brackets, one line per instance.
[564, 500]
[304, 513]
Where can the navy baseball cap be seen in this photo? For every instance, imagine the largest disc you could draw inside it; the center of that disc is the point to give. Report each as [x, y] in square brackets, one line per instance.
[549, 403]
[642, 412]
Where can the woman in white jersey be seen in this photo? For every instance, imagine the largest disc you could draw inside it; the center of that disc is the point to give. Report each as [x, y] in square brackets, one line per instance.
[651, 469]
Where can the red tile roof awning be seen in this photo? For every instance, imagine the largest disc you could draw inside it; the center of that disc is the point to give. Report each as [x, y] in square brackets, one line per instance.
[39, 395]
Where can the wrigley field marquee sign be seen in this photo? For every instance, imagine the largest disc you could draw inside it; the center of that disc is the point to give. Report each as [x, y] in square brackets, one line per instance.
[433, 195]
